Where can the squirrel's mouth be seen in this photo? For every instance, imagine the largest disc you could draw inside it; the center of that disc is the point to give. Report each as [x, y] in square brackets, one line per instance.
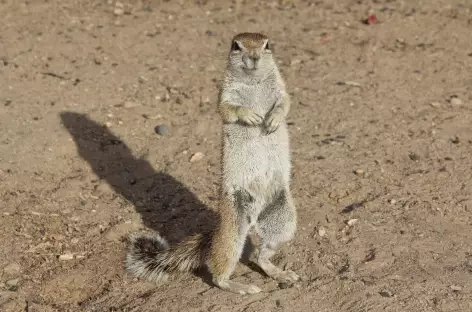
[249, 69]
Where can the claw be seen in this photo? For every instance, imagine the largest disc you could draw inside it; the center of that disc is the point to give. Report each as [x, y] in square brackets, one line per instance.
[273, 122]
[251, 118]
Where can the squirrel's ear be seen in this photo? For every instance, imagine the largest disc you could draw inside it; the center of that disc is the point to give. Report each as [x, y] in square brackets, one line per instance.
[235, 46]
[267, 46]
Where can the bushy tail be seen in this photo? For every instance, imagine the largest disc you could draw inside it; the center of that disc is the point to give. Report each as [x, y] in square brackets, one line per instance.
[150, 256]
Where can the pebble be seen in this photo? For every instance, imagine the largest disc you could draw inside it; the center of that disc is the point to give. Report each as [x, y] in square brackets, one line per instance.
[284, 285]
[13, 283]
[12, 269]
[321, 231]
[351, 222]
[456, 101]
[455, 140]
[455, 288]
[108, 124]
[435, 104]
[359, 171]
[162, 129]
[118, 11]
[66, 257]
[386, 293]
[393, 201]
[197, 157]
[414, 156]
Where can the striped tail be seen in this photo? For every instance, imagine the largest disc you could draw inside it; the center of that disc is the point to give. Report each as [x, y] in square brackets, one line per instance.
[151, 258]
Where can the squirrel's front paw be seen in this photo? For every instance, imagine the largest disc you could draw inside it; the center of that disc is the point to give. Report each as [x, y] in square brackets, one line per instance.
[249, 117]
[274, 119]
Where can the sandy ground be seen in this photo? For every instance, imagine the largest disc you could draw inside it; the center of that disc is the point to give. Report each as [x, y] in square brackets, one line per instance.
[381, 144]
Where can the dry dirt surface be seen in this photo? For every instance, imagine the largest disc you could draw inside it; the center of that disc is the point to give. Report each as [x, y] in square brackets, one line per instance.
[381, 144]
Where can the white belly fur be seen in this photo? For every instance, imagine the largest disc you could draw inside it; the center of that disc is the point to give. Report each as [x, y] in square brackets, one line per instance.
[255, 162]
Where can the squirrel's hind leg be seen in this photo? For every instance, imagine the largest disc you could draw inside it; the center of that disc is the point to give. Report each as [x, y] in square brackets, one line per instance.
[276, 225]
[228, 244]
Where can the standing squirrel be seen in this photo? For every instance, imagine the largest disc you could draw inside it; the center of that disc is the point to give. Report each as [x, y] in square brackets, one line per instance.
[255, 190]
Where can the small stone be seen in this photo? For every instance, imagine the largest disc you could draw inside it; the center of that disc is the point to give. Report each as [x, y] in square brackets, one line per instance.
[108, 124]
[13, 283]
[455, 288]
[118, 11]
[435, 104]
[414, 156]
[456, 101]
[12, 269]
[197, 157]
[455, 140]
[66, 257]
[386, 293]
[162, 129]
[110, 115]
[119, 5]
[284, 285]
[321, 231]
[351, 222]
[359, 172]
[393, 201]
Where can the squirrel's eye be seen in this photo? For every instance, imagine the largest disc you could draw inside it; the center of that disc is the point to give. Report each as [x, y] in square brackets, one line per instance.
[235, 46]
[267, 47]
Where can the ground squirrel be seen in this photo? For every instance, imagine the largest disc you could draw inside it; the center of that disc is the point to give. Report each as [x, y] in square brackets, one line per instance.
[255, 189]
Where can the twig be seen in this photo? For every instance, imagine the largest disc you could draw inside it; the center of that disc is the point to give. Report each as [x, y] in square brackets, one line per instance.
[54, 75]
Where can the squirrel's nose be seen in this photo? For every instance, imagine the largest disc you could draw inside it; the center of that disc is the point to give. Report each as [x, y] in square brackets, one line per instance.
[255, 57]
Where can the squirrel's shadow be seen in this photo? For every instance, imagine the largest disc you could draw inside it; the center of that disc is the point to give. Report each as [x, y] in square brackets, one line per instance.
[165, 204]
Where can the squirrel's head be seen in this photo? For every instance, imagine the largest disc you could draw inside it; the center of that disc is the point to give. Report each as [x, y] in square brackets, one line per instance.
[251, 54]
